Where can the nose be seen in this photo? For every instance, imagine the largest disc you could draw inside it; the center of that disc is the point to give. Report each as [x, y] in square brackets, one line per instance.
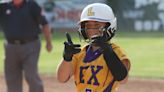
[93, 32]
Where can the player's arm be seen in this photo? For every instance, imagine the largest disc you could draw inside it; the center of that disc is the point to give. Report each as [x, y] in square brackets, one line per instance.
[126, 63]
[117, 68]
[65, 69]
[113, 62]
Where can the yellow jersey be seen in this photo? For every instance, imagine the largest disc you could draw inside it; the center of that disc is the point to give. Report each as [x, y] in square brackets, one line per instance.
[94, 76]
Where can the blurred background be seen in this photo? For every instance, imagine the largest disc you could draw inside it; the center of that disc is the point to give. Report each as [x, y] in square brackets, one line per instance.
[140, 33]
[132, 15]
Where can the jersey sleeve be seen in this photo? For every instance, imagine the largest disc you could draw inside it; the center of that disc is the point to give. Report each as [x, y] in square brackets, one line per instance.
[37, 13]
[119, 51]
[121, 55]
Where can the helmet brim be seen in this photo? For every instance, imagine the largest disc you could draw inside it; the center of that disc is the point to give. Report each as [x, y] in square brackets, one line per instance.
[93, 19]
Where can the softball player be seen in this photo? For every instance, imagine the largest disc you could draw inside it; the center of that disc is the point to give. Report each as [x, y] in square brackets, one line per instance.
[101, 65]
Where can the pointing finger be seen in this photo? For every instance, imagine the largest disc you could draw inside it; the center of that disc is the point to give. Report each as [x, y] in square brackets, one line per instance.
[69, 38]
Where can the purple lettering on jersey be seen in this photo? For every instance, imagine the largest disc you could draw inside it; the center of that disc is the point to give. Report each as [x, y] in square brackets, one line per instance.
[94, 72]
[82, 68]
[88, 90]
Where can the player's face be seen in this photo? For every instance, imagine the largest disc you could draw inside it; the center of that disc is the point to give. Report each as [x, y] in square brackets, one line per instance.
[93, 28]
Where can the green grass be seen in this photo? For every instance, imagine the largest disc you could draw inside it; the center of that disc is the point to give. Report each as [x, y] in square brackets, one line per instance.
[145, 50]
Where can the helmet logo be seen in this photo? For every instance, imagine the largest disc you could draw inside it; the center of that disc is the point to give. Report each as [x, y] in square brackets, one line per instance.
[90, 12]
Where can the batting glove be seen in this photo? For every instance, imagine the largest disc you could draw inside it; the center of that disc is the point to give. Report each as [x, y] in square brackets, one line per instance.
[70, 49]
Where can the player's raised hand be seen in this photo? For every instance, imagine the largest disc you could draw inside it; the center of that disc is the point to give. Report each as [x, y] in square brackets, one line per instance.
[70, 48]
[100, 41]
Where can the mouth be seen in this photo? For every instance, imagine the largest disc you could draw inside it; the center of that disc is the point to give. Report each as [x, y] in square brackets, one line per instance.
[94, 37]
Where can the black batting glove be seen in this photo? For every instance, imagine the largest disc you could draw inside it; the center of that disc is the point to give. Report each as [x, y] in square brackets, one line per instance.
[101, 42]
[70, 49]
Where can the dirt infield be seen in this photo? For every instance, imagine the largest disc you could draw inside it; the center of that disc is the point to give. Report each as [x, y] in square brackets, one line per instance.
[133, 85]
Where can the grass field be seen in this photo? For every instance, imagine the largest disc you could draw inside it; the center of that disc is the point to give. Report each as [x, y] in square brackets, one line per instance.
[145, 51]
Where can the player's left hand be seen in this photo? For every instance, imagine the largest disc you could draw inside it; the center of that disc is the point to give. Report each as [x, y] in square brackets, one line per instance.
[107, 36]
[100, 41]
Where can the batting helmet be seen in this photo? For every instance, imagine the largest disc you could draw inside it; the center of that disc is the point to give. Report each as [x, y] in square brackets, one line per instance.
[101, 13]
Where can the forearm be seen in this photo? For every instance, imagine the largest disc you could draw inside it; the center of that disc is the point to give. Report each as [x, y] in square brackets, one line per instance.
[117, 68]
[47, 33]
[126, 63]
[64, 71]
